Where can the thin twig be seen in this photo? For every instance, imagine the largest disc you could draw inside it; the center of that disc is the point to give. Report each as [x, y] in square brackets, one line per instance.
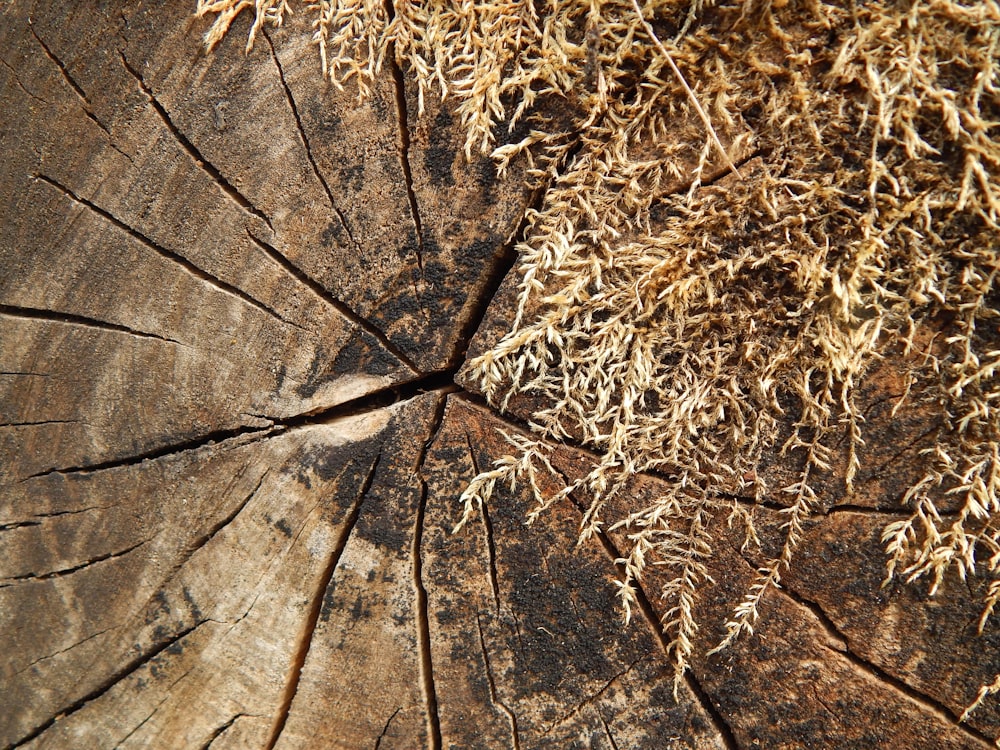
[694, 100]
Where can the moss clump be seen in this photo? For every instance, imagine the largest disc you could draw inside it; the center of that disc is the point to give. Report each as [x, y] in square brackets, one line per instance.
[668, 323]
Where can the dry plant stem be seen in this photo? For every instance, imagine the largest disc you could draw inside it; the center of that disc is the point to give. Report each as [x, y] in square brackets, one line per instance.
[687, 89]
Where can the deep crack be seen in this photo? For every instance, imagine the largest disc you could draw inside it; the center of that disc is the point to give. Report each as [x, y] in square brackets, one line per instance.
[316, 607]
[119, 675]
[52, 316]
[494, 697]
[171, 255]
[491, 549]
[191, 150]
[404, 148]
[503, 262]
[85, 104]
[423, 616]
[329, 298]
[305, 142]
[369, 402]
[719, 722]
[926, 702]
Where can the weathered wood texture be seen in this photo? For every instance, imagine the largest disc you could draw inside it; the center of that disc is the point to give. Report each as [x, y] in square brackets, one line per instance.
[233, 303]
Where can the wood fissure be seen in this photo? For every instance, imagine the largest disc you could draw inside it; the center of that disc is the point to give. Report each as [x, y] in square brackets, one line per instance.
[403, 147]
[130, 668]
[75, 511]
[52, 316]
[192, 151]
[18, 525]
[279, 426]
[40, 423]
[191, 268]
[719, 722]
[85, 103]
[20, 83]
[385, 728]
[404, 160]
[645, 606]
[150, 715]
[715, 715]
[503, 263]
[515, 738]
[926, 702]
[426, 661]
[329, 298]
[593, 697]
[607, 733]
[881, 400]
[77, 89]
[212, 438]
[864, 510]
[826, 707]
[205, 538]
[721, 174]
[222, 730]
[491, 549]
[305, 142]
[70, 647]
[316, 607]
[12, 580]
[517, 423]
[894, 458]
[156, 708]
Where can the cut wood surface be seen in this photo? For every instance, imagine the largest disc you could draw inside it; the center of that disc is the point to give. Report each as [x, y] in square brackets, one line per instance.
[234, 306]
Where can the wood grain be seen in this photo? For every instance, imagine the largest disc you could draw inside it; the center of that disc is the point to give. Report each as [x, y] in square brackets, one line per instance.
[234, 302]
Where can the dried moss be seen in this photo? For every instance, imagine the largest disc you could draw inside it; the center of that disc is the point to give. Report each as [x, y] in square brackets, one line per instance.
[668, 323]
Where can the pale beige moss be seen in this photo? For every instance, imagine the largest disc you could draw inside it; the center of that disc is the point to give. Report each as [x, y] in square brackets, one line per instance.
[665, 329]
